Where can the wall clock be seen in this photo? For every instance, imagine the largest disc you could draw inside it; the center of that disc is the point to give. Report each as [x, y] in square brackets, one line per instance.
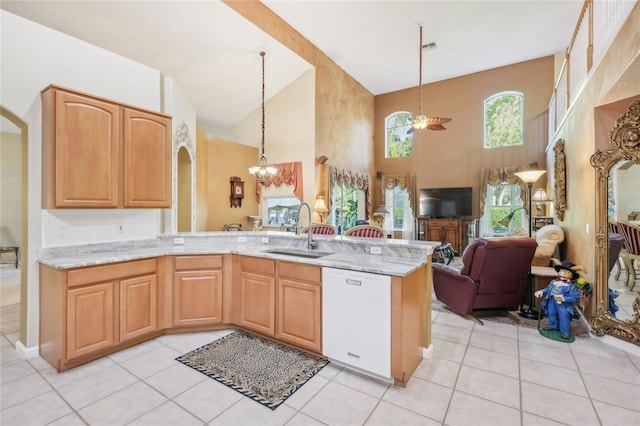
[237, 192]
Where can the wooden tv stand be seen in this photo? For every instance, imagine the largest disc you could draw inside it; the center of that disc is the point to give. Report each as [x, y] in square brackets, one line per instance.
[452, 230]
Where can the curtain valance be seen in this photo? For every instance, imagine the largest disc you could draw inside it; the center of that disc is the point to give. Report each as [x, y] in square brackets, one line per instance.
[496, 176]
[352, 179]
[288, 174]
[402, 181]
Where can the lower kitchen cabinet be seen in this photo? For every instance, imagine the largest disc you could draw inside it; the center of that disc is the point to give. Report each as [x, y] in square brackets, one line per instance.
[197, 290]
[299, 305]
[88, 312]
[282, 300]
[90, 319]
[138, 306]
[257, 295]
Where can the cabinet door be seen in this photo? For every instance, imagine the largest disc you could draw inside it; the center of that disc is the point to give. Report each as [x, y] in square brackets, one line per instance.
[451, 236]
[299, 313]
[257, 302]
[147, 159]
[85, 170]
[138, 304]
[434, 232]
[197, 297]
[90, 319]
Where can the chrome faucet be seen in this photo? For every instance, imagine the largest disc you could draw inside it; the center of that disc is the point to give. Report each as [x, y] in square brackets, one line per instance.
[310, 243]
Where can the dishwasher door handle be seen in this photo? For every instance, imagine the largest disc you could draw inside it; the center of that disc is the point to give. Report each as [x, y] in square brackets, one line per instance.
[354, 282]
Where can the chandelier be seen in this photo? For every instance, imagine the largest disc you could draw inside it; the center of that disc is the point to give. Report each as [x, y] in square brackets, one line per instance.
[262, 172]
[422, 121]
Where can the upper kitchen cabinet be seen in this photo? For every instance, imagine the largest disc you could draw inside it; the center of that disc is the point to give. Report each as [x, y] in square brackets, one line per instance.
[101, 154]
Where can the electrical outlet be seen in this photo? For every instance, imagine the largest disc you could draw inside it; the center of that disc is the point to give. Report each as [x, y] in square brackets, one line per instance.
[61, 232]
[242, 239]
[587, 229]
[265, 240]
[119, 228]
[376, 250]
[178, 241]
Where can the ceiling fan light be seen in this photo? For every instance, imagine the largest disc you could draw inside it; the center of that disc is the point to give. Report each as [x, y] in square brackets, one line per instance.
[420, 122]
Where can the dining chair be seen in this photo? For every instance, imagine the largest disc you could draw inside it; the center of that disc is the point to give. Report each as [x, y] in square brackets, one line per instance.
[322, 229]
[365, 231]
[631, 236]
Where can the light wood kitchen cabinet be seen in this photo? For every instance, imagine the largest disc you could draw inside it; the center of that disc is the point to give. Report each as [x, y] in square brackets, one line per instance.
[299, 305]
[197, 290]
[282, 300]
[138, 306]
[90, 319]
[92, 311]
[147, 159]
[257, 295]
[97, 153]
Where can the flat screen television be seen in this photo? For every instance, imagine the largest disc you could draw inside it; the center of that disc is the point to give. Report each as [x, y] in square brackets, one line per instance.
[445, 202]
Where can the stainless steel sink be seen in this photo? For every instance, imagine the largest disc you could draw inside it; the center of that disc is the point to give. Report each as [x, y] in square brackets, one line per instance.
[299, 252]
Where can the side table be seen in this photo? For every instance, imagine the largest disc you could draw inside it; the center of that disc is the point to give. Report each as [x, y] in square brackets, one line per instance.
[9, 249]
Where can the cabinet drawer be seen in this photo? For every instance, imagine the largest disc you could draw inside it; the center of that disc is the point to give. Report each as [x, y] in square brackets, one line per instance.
[256, 264]
[96, 274]
[299, 271]
[198, 262]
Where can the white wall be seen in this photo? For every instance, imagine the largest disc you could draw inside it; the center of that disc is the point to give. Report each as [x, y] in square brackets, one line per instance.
[33, 57]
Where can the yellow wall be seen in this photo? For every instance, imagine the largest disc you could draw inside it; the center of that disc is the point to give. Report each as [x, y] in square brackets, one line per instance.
[11, 193]
[202, 180]
[454, 157]
[225, 159]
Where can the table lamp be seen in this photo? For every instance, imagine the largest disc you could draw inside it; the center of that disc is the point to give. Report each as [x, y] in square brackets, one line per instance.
[320, 207]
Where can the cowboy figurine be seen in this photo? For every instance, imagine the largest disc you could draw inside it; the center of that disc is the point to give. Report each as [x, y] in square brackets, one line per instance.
[559, 297]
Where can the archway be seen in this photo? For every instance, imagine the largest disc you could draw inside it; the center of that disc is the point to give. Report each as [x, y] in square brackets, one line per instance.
[184, 190]
[24, 208]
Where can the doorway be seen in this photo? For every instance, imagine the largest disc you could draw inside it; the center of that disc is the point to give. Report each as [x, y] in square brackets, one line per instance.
[13, 224]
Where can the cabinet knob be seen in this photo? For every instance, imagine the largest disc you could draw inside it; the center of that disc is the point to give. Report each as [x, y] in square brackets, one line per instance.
[353, 355]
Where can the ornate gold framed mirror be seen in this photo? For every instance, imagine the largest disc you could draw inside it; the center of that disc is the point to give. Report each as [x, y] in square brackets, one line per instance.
[625, 138]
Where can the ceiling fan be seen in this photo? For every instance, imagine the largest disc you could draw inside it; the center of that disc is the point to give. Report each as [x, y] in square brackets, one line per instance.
[422, 121]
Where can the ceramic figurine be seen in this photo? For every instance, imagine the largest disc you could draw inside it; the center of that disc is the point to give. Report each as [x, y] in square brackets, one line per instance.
[559, 297]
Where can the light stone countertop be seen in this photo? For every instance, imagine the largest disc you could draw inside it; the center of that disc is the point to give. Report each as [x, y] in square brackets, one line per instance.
[397, 257]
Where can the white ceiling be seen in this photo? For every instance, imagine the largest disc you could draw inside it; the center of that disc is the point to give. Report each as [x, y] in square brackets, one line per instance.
[212, 52]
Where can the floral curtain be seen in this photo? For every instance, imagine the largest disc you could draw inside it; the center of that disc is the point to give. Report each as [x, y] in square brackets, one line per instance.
[354, 180]
[289, 174]
[497, 176]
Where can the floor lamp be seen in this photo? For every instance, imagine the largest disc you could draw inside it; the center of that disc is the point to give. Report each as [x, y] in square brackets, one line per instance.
[529, 177]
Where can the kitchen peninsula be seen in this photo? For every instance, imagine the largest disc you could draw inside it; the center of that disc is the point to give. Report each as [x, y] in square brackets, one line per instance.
[98, 299]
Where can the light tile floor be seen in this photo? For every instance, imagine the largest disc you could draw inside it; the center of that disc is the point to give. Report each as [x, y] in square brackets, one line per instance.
[496, 374]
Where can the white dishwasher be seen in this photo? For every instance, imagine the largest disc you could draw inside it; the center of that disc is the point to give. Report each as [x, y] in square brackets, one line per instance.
[356, 320]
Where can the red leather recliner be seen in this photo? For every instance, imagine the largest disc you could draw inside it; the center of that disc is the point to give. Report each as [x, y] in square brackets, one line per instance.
[493, 276]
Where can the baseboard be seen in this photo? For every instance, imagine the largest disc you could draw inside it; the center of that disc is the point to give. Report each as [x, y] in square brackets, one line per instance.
[427, 353]
[27, 353]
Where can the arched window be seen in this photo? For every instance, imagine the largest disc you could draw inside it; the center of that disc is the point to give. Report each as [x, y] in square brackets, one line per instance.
[398, 140]
[503, 120]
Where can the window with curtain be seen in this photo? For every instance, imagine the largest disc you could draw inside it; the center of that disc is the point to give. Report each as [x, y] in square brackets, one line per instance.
[504, 120]
[398, 140]
[347, 206]
[397, 191]
[501, 200]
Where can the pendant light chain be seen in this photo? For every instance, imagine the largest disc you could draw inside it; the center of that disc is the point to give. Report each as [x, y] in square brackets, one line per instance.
[262, 55]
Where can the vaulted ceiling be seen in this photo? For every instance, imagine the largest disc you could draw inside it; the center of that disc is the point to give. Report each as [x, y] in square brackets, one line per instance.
[212, 52]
